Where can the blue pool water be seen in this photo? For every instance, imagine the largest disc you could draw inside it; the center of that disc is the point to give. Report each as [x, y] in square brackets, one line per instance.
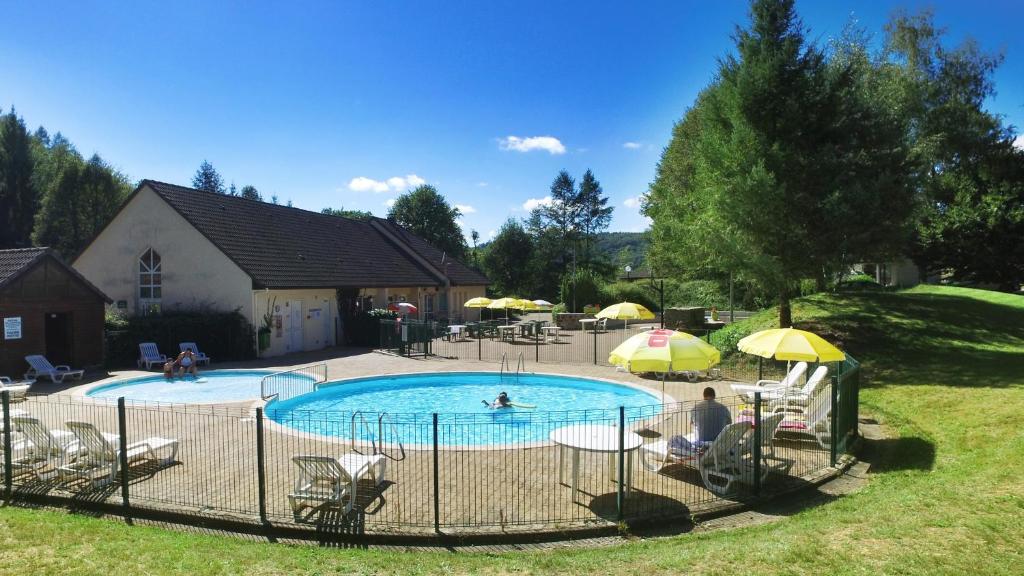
[210, 387]
[410, 400]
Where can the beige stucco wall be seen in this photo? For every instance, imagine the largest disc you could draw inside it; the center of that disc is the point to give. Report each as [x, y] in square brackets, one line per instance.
[457, 296]
[195, 273]
[318, 313]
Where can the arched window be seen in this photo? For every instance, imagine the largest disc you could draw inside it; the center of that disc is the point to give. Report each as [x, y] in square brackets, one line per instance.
[150, 282]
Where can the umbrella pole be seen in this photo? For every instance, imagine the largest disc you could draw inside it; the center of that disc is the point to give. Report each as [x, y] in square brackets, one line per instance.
[760, 367]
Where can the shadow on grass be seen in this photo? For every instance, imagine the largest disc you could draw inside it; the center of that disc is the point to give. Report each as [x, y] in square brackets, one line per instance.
[897, 454]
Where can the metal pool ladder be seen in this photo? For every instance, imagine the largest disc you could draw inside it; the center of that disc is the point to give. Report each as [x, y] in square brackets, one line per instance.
[520, 366]
[379, 437]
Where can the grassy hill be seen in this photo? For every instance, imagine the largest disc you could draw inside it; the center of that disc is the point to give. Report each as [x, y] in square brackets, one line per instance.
[944, 371]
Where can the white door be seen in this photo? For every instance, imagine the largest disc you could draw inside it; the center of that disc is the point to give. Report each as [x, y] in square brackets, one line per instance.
[293, 335]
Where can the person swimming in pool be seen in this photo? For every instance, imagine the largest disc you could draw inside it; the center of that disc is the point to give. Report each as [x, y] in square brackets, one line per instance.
[502, 401]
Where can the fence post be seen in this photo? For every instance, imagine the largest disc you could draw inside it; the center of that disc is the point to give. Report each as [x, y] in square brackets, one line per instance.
[8, 465]
[757, 444]
[595, 343]
[760, 368]
[834, 432]
[620, 493]
[261, 472]
[480, 345]
[536, 344]
[122, 456]
[437, 483]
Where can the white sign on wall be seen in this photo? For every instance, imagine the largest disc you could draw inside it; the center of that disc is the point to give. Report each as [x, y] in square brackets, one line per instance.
[12, 328]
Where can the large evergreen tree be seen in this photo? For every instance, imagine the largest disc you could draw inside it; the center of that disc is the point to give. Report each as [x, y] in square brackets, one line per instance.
[777, 168]
[249, 191]
[18, 197]
[207, 178]
[595, 214]
[426, 213]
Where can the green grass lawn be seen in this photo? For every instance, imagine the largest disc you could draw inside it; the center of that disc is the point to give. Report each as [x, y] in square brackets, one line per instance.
[944, 372]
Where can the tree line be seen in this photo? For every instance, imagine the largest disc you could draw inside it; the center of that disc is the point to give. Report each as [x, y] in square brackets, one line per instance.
[50, 195]
[799, 160]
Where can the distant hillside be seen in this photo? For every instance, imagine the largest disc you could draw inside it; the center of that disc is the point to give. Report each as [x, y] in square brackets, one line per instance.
[624, 247]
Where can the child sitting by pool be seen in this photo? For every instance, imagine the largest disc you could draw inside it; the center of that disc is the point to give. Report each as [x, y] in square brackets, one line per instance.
[169, 369]
[502, 401]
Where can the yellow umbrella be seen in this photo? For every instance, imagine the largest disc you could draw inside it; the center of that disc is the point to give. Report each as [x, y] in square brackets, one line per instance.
[505, 304]
[524, 304]
[664, 351]
[478, 302]
[626, 311]
[790, 344]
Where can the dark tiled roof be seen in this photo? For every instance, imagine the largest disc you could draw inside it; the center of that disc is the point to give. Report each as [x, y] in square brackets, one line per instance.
[14, 262]
[457, 271]
[282, 247]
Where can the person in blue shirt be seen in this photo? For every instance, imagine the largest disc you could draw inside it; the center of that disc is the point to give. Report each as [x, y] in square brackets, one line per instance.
[709, 417]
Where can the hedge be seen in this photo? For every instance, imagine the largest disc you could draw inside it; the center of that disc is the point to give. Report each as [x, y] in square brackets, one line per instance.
[224, 336]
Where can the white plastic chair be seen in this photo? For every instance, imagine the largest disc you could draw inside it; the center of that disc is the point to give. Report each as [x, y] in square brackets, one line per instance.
[720, 464]
[102, 453]
[18, 391]
[795, 399]
[41, 450]
[40, 366]
[814, 422]
[791, 380]
[149, 355]
[329, 481]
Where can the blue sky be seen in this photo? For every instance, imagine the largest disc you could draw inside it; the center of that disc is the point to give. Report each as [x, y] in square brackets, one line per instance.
[331, 104]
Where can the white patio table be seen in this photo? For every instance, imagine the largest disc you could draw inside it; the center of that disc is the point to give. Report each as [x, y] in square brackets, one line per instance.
[594, 438]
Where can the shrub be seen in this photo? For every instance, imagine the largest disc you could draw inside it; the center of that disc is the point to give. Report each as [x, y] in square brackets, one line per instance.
[364, 328]
[582, 288]
[632, 292]
[225, 336]
[859, 283]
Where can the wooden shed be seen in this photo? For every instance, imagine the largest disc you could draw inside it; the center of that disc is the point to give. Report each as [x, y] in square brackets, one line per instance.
[46, 307]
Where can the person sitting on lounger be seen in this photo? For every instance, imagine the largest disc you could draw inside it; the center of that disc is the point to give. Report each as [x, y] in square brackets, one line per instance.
[709, 418]
[502, 401]
[186, 362]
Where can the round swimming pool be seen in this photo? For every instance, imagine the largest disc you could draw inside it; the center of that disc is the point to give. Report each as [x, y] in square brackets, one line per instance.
[210, 387]
[457, 398]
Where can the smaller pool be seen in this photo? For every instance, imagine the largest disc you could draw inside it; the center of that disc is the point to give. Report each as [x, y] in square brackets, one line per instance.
[211, 387]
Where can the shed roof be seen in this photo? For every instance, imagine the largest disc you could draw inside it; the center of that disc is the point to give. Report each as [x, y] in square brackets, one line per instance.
[14, 263]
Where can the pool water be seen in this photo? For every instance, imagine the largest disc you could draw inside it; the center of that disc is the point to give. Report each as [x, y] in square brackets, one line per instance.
[209, 387]
[457, 398]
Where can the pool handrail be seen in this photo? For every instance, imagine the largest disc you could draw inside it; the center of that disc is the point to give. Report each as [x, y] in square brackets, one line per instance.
[317, 371]
[393, 430]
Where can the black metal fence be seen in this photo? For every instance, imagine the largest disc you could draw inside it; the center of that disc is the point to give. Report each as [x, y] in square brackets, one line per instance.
[421, 473]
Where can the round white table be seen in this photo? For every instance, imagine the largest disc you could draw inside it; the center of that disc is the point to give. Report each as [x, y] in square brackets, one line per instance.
[595, 438]
[455, 331]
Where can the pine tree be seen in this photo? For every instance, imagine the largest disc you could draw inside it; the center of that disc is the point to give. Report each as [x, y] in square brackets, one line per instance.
[595, 214]
[232, 191]
[208, 179]
[18, 196]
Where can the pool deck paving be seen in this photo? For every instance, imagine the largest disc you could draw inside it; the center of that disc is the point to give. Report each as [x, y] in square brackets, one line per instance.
[507, 488]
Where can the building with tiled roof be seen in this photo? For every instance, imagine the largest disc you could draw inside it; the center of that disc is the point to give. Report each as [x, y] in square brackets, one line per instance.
[47, 308]
[171, 247]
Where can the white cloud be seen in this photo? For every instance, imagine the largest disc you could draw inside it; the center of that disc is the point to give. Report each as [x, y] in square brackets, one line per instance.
[631, 145]
[393, 184]
[532, 203]
[390, 202]
[465, 208]
[364, 184]
[549, 143]
[491, 234]
[631, 202]
[1018, 142]
[482, 184]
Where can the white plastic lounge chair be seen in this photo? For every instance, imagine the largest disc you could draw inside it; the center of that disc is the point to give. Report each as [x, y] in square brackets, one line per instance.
[149, 355]
[791, 380]
[41, 450]
[100, 461]
[814, 422]
[795, 399]
[201, 357]
[769, 462]
[40, 366]
[18, 391]
[329, 481]
[720, 464]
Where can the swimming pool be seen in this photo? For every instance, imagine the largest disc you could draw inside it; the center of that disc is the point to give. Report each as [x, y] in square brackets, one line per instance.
[410, 400]
[210, 387]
